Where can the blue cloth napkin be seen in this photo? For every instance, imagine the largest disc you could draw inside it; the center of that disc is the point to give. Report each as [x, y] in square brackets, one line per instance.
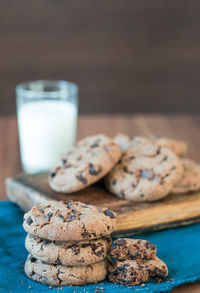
[178, 248]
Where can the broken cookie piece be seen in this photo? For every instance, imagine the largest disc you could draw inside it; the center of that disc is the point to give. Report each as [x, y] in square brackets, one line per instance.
[135, 262]
[126, 248]
[135, 272]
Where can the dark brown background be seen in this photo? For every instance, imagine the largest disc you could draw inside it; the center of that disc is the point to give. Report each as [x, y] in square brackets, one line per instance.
[127, 56]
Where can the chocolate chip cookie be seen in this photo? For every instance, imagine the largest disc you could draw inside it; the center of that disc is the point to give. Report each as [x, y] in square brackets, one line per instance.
[125, 142]
[69, 221]
[57, 275]
[69, 253]
[190, 180]
[87, 162]
[146, 173]
[135, 272]
[126, 248]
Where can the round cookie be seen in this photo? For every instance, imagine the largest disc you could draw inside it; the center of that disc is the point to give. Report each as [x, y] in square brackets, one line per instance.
[87, 162]
[69, 221]
[145, 174]
[57, 275]
[190, 180]
[125, 142]
[69, 253]
[134, 272]
[126, 248]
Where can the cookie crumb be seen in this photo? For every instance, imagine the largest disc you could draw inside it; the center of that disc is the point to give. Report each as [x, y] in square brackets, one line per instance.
[29, 287]
[143, 285]
[50, 287]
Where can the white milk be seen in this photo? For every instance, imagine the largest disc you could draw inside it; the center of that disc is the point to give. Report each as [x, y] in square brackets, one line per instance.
[47, 129]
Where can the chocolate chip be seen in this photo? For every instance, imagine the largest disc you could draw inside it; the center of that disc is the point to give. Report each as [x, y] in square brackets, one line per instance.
[41, 210]
[58, 262]
[69, 204]
[79, 158]
[71, 217]
[85, 234]
[94, 247]
[125, 169]
[158, 274]
[50, 214]
[114, 182]
[81, 178]
[108, 239]
[122, 268]
[109, 213]
[121, 194]
[95, 144]
[131, 157]
[52, 174]
[29, 221]
[99, 253]
[150, 245]
[64, 161]
[141, 194]
[147, 174]
[76, 250]
[164, 159]
[46, 241]
[158, 152]
[94, 170]
[32, 259]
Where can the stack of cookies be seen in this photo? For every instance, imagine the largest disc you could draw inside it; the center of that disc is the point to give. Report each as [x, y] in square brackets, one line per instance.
[135, 262]
[68, 243]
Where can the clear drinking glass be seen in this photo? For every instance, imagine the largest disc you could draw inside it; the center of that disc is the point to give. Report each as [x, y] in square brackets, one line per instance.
[47, 121]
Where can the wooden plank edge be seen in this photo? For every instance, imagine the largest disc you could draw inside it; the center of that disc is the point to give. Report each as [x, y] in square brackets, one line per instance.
[154, 228]
[23, 196]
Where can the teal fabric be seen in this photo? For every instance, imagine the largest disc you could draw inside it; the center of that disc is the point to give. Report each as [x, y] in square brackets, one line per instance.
[178, 247]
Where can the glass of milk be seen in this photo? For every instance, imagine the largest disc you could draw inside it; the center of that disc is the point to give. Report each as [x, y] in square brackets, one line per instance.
[47, 121]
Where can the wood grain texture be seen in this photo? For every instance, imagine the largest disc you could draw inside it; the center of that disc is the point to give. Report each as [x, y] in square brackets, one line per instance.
[133, 218]
[138, 56]
[184, 127]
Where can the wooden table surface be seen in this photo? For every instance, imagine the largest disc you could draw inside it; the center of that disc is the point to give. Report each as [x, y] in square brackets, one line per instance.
[183, 127]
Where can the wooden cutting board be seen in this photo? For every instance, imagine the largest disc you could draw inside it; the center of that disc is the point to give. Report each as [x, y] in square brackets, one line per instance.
[133, 218]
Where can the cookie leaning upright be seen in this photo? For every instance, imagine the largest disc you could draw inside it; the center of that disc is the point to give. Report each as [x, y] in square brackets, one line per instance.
[69, 221]
[87, 162]
[145, 173]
